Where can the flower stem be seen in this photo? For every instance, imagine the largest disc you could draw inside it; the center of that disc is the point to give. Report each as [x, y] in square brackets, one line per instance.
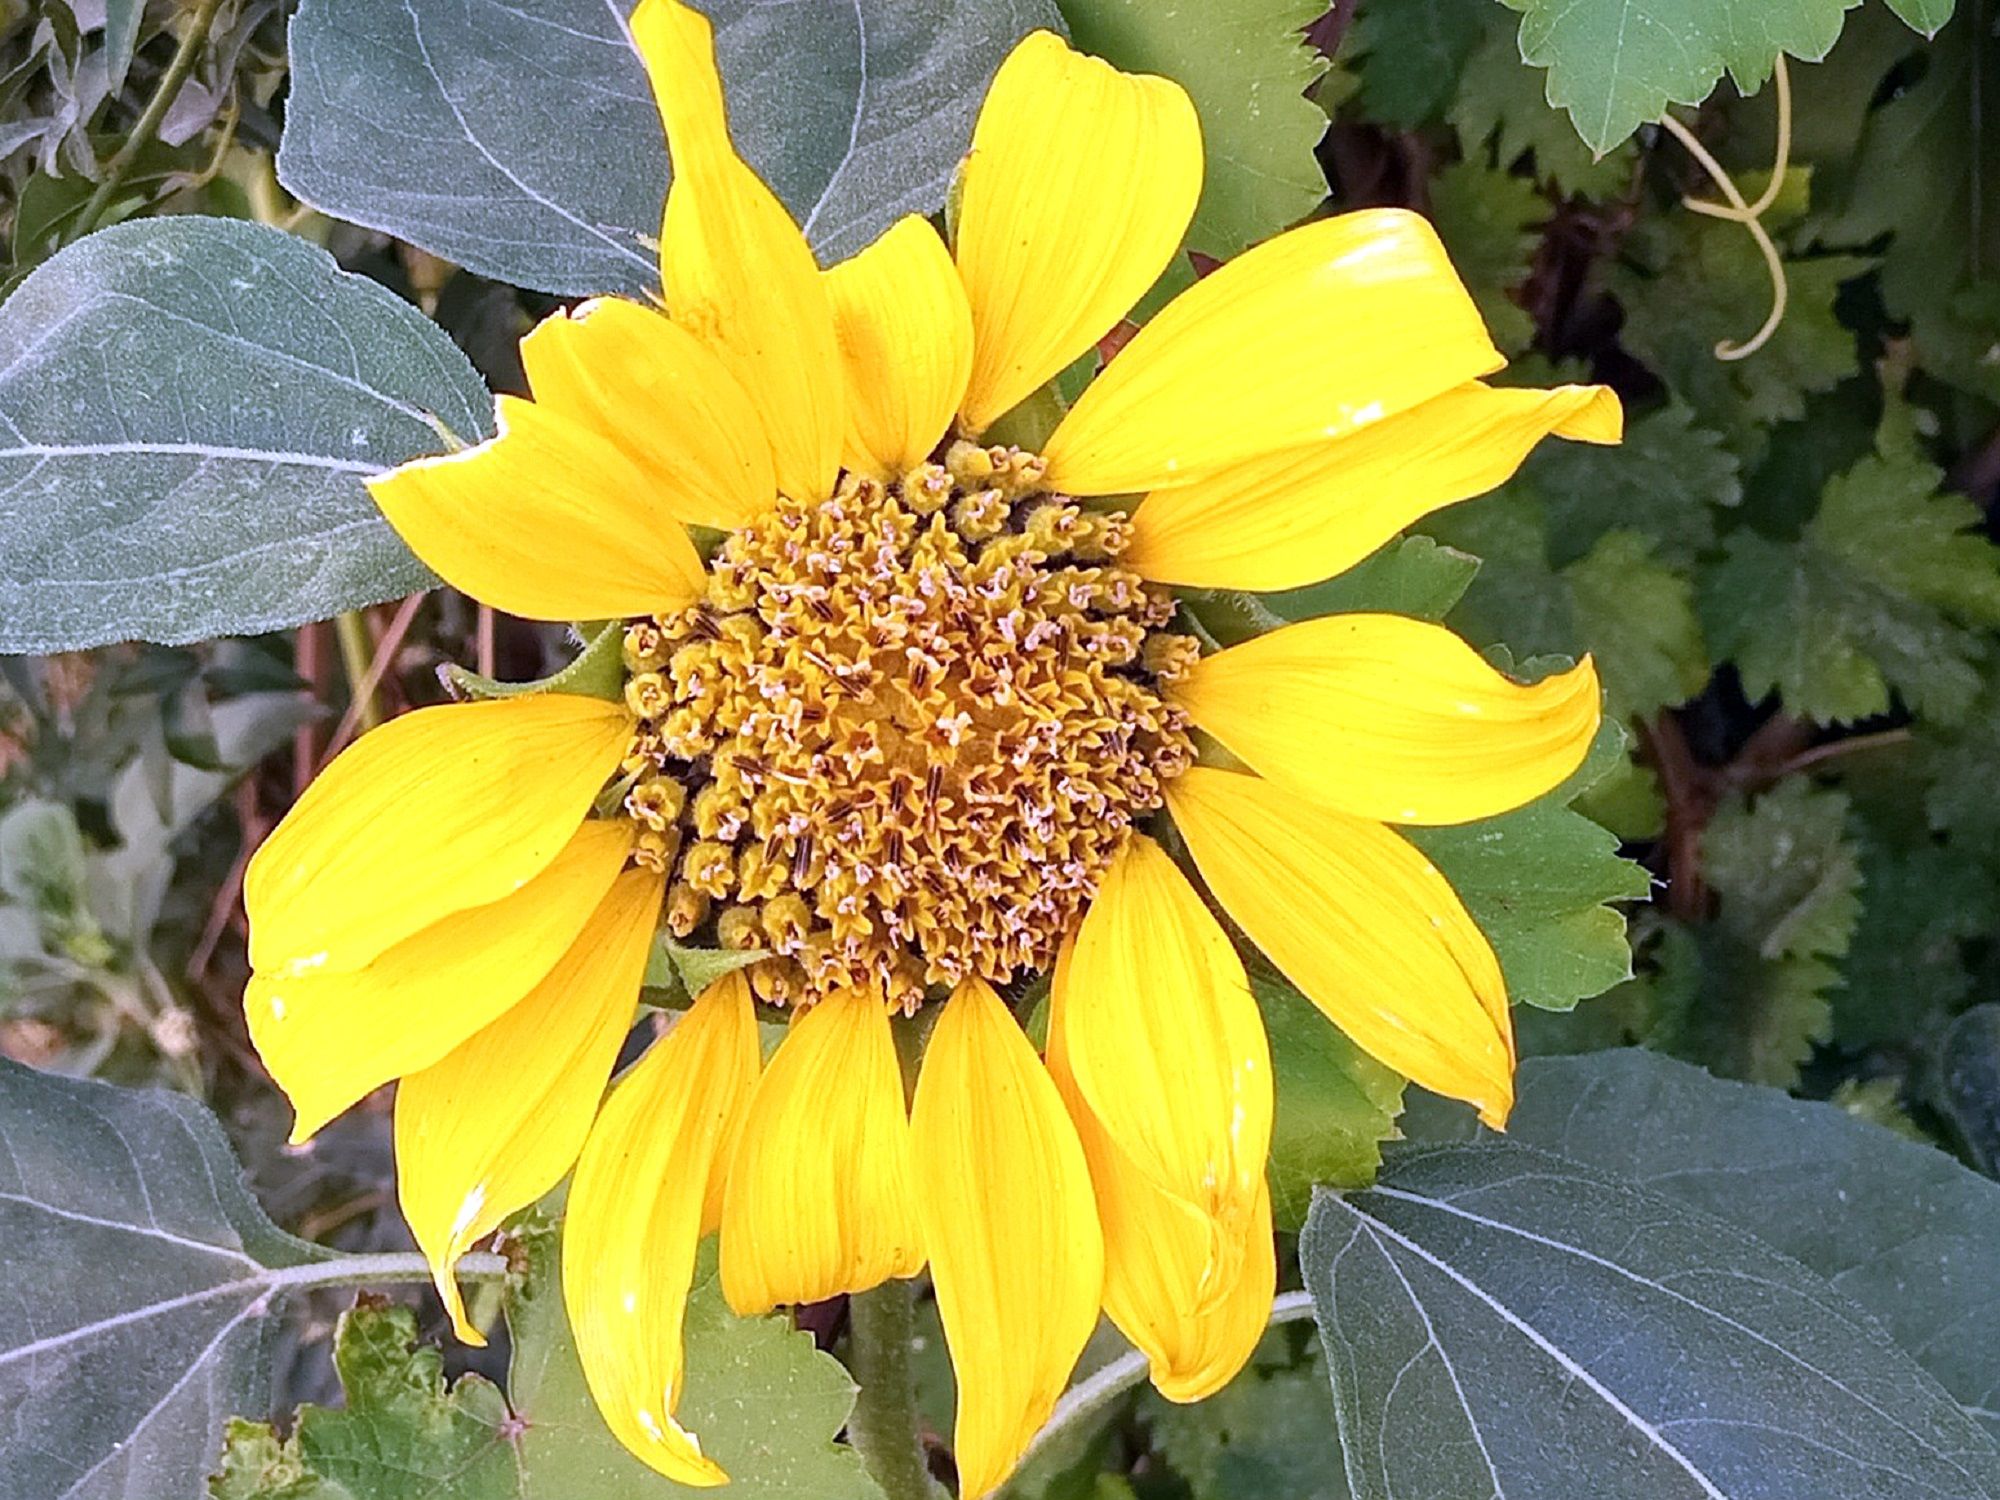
[379, 1270]
[357, 655]
[881, 1331]
[148, 126]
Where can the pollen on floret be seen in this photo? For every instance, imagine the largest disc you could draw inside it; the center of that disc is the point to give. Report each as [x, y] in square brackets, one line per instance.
[904, 731]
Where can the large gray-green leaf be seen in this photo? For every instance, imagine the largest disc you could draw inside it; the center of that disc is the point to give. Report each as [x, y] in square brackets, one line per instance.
[138, 1270]
[1501, 1322]
[187, 409]
[1898, 1226]
[519, 138]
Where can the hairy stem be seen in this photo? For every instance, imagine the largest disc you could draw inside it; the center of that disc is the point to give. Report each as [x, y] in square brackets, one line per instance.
[884, 1428]
[376, 1270]
[192, 41]
[1091, 1395]
[357, 653]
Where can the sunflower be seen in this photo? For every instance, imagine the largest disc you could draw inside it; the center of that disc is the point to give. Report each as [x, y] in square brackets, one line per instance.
[911, 714]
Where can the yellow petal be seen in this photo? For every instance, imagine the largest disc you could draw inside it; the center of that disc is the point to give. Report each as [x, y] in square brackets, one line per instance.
[905, 335]
[1393, 719]
[820, 1199]
[437, 811]
[1081, 182]
[1363, 925]
[635, 1219]
[739, 275]
[497, 1121]
[1312, 335]
[331, 1038]
[1011, 1228]
[638, 379]
[1165, 1040]
[1287, 519]
[1159, 1266]
[547, 520]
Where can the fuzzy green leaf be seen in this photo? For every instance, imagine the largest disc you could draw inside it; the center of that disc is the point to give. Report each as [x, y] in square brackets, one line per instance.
[1537, 881]
[1501, 103]
[1879, 594]
[1336, 1104]
[1898, 1226]
[1905, 969]
[1494, 1316]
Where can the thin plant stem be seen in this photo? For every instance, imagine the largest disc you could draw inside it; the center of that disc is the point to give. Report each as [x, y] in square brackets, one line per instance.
[1091, 1395]
[363, 696]
[885, 1430]
[379, 1270]
[357, 651]
[148, 126]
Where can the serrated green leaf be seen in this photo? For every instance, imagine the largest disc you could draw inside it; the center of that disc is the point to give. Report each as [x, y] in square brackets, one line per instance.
[1537, 881]
[1409, 56]
[1747, 993]
[1336, 1104]
[538, 114]
[1503, 103]
[1878, 594]
[1247, 67]
[1665, 481]
[1494, 1316]
[191, 406]
[682, 973]
[257, 1465]
[1905, 971]
[764, 1401]
[1900, 1227]
[402, 1431]
[1616, 64]
[1634, 614]
[1956, 765]
[1488, 221]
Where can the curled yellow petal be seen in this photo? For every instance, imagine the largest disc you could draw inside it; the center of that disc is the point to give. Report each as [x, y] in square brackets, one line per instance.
[1160, 1285]
[653, 1160]
[1363, 925]
[1312, 335]
[1391, 718]
[494, 1124]
[331, 1038]
[1286, 519]
[638, 379]
[820, 1199]
[905, 334]
[1080, 185]
[1011, 1228]
[547, 520]
[1165, 1040]
[739, 275]
[438, 811]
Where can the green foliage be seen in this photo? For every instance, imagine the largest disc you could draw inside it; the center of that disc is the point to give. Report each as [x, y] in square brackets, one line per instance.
[1880, 592]
[1502, 105]
[1336, 1104]
[1616, 64]
[207, 478]
[1268, 1432]
[1478, 1283]
[1487, 221]
[1897, 1226]
[386, 102]
[1410, 56]
[1538, 881]
[1248, 69]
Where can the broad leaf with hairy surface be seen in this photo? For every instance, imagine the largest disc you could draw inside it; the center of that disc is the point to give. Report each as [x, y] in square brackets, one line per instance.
[519, 139]
[1896, 1225]
[1544, 1325]
[139, 1272]
[188, 408]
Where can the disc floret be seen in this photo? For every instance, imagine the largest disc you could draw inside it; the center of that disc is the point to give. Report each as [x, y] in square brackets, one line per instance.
[906, 729]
